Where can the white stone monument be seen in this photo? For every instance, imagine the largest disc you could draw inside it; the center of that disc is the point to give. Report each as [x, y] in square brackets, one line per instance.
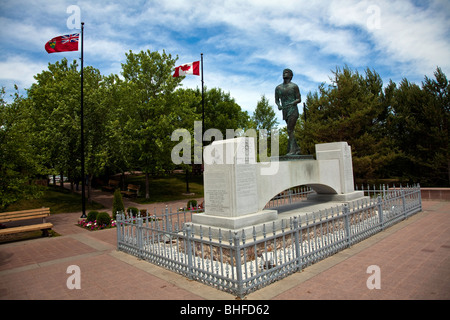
[237, 188]
[231, 186]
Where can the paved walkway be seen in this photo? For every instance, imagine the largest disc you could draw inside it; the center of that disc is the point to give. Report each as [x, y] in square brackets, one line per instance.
[413, 257]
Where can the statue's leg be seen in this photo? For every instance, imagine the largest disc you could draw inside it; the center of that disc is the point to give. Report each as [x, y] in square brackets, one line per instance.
[293, 147]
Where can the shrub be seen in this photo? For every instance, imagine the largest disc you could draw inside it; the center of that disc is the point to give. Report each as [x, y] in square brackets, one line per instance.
[92, 216]
[133, 211]
[103, 218]
[191, 204]
[117, 204]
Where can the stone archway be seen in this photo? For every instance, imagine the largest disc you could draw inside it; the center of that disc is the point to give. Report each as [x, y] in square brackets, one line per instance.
[237, 187]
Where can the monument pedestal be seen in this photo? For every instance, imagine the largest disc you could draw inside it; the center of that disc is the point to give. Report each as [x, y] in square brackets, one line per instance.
[231, 188]
[237, 188]
[345, 197]
[235, 223]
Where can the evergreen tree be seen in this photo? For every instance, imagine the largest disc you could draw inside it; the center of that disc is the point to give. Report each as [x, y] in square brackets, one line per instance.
[117, 204]
[264, 116]
[264, 120]
[351, 109]
[419, 124]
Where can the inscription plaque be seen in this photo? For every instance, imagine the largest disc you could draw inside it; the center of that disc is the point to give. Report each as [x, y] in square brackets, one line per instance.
[246, 189]
[217, 196]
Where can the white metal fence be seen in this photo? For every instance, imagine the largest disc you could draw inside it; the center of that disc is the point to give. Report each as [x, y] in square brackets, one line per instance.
[240, 263]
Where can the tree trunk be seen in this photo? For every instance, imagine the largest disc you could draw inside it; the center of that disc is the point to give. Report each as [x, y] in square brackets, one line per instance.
[448, 163]
[147, 187]
[71, 180]
[61, 179]
[89, 184]
[187, 180]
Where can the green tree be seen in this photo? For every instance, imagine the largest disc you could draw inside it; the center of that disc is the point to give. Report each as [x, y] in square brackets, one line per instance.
[151, 115]
[117, 96]
[264, 121]
[351, 109]
[264, 116]
[419, 125]
[117, 204]
[189, 103]
[54, 102]
[96, 120]
[437, 115]
[222, 112]
[19, 164]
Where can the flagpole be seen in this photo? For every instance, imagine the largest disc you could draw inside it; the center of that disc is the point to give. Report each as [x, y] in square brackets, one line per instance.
[83, 179]
[203, 106]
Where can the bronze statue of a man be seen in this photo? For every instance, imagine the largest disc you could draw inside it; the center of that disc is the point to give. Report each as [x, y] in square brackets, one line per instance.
[287, 96]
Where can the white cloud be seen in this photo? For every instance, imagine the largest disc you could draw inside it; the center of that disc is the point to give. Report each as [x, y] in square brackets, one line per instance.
[416, 37]
[404, 37]
[246, 43]
[18, 71]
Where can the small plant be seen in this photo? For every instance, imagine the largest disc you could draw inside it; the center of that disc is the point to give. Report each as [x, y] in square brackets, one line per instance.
[103, 219]
[191, 204]
[133, 211]
[103, 223]
[143, 212]
[117, 204]
[92, 216]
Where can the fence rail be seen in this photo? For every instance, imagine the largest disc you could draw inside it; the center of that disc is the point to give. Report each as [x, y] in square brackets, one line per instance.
[240, 263]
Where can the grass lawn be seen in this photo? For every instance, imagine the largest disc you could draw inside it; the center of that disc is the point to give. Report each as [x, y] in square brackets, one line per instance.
[167, 188]
[57, 199]
[162, 189]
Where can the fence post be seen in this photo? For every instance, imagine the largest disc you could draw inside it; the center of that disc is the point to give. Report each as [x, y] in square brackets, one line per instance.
[237, 248]
[119, 220]
[297, 245]
[404, 203]
[139, 236]
[419, 194]
[166, 218]
[347, 223]
[189, 252]
[380, 212]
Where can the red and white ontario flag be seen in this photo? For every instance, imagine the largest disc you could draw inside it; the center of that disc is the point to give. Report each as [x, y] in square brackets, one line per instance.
[188, 68]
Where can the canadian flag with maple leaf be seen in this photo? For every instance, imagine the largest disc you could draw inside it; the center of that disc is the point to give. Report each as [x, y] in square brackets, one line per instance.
[188, 68]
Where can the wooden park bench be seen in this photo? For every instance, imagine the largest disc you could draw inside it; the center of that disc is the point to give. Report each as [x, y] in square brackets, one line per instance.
[26, 215]
[112, 185]
[132, 191]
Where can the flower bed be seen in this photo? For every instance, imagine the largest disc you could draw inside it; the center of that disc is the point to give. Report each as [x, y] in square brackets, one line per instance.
[92, 225]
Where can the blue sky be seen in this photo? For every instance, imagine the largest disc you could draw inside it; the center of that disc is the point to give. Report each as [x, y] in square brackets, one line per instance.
[246, 43]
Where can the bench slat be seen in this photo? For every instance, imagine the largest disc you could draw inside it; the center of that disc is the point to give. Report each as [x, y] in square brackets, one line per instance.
[33, 227]
[24, 214]
[40, 210]
[21, 217]
[132, 190]
[112, 185]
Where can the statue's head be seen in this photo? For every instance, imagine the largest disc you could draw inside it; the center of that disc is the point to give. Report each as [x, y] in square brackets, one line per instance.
[287, 73]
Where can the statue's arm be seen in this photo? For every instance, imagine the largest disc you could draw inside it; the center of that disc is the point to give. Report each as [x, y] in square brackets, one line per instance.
[298, 97]
[277, 99]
